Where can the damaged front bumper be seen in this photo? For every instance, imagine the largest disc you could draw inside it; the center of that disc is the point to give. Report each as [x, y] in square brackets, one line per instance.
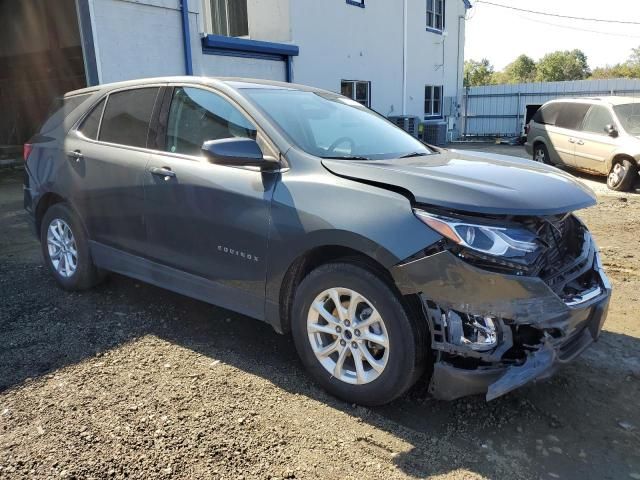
[537, 327]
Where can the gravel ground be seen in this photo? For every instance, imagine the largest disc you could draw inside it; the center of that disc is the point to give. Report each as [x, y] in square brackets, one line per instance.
[131, 381]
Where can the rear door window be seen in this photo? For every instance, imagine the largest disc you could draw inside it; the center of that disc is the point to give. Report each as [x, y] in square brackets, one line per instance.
[91, 123]
[597, 119]
[127, 116]
[198, 115]
[571, 115]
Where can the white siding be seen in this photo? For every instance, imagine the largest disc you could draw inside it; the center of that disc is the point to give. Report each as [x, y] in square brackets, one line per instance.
[341, 41]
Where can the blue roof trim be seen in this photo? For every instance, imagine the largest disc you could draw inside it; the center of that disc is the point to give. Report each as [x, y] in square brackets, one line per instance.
[467, 4]
[245, 47]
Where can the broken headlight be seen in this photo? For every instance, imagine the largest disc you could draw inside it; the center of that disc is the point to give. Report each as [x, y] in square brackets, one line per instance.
[512, 242]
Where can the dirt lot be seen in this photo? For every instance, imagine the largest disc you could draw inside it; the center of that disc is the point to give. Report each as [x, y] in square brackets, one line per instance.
[130, 381]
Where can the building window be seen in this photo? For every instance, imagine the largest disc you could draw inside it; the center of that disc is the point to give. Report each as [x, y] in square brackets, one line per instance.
[357, 3]
[433, 101]
[226, 17]
[435, 15]
[358, 90]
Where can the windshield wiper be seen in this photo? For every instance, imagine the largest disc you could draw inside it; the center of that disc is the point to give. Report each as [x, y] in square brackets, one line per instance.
[415, 154]
[347, 157]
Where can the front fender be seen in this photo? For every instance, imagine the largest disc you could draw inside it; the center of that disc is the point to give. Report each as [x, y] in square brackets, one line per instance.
[317, 209]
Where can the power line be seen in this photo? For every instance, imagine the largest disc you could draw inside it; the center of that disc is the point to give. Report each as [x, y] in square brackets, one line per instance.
[624, 22]
[569, 27]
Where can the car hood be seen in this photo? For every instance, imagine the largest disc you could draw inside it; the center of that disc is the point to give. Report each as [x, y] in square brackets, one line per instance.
[474, 182]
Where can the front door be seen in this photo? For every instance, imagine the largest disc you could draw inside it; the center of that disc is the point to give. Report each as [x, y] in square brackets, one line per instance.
[594, 146]
[204, 220]
[108, 155]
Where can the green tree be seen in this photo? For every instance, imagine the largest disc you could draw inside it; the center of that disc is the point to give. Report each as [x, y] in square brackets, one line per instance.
[563, 65]
[634, 58]
[629, 69]
[522, 70]
[477, 73]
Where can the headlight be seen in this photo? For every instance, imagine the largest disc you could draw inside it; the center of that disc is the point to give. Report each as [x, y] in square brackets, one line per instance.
[506, 242]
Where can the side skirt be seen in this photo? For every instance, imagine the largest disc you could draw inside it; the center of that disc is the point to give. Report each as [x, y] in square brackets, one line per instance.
[184, 283]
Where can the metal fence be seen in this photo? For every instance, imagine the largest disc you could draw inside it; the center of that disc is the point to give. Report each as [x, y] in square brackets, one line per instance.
[501, 110]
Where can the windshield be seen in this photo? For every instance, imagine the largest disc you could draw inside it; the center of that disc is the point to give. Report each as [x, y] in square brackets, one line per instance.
[629, 116]
[332, 126]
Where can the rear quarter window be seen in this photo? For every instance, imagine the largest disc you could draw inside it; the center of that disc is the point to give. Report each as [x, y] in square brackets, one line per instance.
[547, 114]
[60, 108]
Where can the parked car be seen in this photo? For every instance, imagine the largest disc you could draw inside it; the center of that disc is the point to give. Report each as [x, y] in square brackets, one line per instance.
[385, 258]
[597, 135]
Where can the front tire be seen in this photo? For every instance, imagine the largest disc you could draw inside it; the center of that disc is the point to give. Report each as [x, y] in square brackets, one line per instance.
[622, 176]
[65, 249]
[354, 335]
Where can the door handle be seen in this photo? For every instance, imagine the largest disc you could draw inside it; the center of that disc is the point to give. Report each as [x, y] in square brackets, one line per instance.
[164, 172]
[571, 140]
[580, 142]
[75, 155]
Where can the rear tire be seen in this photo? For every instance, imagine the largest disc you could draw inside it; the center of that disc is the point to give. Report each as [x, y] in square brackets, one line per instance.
[541, 154]
[65, 249]
[622, 176]
[389, 364]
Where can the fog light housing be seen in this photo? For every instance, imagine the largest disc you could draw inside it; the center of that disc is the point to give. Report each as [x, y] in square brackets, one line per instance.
[477, 332]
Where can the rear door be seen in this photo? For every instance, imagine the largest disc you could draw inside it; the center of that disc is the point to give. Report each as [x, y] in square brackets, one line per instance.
[108, 153]
[594, 146]
[209, 220]
[562, 134]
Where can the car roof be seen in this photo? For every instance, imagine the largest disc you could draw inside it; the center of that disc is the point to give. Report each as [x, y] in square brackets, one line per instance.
[607, 100]
[236, 83]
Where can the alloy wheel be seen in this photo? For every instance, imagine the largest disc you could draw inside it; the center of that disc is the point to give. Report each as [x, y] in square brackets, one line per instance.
[348, 336]
[616, 175]
[62, 248]
[540, 156]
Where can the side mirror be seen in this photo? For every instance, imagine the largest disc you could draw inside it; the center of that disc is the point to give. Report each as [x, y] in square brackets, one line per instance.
[611, 130]
[235, 152]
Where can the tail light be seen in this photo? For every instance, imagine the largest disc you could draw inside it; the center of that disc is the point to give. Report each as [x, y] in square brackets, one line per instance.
[26, 151]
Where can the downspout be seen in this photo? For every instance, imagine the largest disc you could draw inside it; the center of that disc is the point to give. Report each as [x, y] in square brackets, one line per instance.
[186, 36]
[404, 62]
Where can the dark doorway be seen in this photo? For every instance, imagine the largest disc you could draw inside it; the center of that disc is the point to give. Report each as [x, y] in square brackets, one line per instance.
[40, 59]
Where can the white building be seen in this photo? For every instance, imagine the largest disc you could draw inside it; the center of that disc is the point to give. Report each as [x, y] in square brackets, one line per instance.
[400, 57]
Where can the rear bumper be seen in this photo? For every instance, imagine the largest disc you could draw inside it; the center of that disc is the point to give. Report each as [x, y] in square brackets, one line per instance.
[565, 327]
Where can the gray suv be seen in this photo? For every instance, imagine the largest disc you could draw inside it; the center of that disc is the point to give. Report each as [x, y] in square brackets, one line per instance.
[596, 135]
[383, 257]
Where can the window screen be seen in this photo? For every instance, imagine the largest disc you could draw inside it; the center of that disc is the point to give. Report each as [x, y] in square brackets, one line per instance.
[435, 14]
[360, 91]
[433, 100]
[571, 115]
[198, 115]
[127, 115]
[597, 119]
[90, 125]
[229, 17]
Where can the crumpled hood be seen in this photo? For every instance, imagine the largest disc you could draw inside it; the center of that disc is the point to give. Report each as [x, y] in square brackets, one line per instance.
[474, 182]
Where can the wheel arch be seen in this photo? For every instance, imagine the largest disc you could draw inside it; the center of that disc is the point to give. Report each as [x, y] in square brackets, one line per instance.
[312, 259]
[618, 157]
[45, 202]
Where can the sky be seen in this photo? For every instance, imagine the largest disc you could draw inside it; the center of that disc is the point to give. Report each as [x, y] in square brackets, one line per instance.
[500, 35]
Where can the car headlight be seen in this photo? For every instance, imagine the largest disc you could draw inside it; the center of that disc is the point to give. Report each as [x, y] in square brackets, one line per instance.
[507, 242]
